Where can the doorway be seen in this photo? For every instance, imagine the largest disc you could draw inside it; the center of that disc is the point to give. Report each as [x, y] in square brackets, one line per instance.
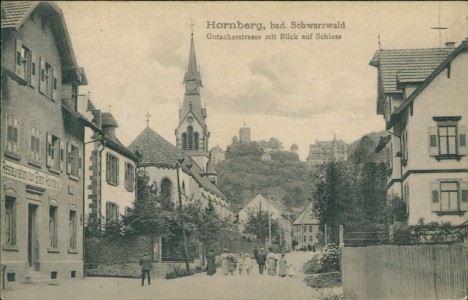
[33, 249]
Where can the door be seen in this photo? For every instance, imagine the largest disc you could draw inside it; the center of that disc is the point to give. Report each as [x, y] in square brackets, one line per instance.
[33, 249]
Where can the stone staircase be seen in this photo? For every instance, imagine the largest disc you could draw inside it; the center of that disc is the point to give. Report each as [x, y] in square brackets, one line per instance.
[35, 277]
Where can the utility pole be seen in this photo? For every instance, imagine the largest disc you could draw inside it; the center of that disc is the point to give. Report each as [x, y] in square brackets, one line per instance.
[179, 165]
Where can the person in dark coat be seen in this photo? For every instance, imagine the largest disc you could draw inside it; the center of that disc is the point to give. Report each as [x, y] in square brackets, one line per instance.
[261, 259]
[255, 252]
[210, 259]
[145, 263]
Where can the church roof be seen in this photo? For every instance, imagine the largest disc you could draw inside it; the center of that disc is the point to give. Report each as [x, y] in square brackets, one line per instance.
[157, 151]
[108, 119]
[307, 217]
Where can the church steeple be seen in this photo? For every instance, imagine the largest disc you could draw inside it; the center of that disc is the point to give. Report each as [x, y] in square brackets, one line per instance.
[192, 133]
[192, 73]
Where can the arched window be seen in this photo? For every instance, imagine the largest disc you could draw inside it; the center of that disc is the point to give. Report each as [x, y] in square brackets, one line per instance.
[195, 141]
[166, 190]
[190, 137]
[184, 141]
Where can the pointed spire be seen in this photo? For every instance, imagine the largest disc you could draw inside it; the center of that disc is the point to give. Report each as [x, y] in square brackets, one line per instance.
[192, 72]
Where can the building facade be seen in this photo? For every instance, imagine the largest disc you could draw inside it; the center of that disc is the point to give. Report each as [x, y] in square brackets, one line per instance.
[217, 154]
[423, 97]
[42, 146]
[323, 152]
[262, 204]
[109, 171]
[244, 134]
[306, 228]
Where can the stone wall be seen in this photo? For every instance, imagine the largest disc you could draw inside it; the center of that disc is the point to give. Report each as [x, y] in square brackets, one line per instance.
[120, 256]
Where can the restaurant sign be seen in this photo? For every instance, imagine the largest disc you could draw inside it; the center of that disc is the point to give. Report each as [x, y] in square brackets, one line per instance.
[30, 176]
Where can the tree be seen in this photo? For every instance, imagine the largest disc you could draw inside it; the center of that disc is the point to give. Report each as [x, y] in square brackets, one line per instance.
[284, 156]
[258, 225]
[294, 148]
[364, 151]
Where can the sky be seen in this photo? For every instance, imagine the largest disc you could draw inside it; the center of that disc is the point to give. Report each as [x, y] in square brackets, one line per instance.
[298, 91]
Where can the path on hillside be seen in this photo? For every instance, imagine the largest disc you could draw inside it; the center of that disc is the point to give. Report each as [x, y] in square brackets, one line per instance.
[198, 286]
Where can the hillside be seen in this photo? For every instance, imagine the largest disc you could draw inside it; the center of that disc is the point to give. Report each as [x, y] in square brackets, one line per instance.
[243, 174]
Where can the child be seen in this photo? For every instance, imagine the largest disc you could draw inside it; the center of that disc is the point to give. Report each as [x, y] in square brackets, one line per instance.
[232, 264]
[291, 271]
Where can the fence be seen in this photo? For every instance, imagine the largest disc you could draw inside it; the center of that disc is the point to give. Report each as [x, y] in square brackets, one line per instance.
[405, 272]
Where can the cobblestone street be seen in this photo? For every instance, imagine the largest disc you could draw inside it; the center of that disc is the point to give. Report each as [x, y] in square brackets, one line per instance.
[198, 286]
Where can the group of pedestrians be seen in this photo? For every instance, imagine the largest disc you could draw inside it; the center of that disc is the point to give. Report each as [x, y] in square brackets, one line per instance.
[229, 263]
[271, 262]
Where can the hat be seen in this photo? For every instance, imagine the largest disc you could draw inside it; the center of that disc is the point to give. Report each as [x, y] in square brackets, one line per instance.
[225, 250]
[261, 249]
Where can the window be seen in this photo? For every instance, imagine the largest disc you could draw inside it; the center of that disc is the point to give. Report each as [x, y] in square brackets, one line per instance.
[166, 190]
[10, 221]
[305, 238]
[112, 212]
[190, 138]
[449, 196]
[53, 227]
[195, 141]
[404, 147]
[304, 228]
[72, 229]
[129, 177]
[48, 84]
[311, 238]
[55, 152]
[12, 135]
[74, 160]
[448, 139]
[184, 141]
[23, 60]
[112, 169]
[35, 149]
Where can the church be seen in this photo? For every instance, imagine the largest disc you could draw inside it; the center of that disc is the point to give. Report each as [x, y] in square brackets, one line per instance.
[186, 167]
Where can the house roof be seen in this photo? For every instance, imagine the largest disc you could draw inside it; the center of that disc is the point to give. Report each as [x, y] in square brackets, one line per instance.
[444, 64]
[306, 217]
[157, 151]
[17, 12]
[406, 65]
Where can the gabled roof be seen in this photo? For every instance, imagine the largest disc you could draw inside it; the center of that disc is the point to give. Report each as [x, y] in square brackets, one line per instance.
[444, 64]
[114, 143]
[307, 217]
[408, 65]
[17, 12]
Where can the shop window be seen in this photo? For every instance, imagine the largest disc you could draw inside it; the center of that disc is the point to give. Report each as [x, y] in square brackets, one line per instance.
[10, 220]
[53, 243]
[72, 229]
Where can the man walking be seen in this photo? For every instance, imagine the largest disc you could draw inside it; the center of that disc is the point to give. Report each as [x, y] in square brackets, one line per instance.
[145, 263]
[261, 259]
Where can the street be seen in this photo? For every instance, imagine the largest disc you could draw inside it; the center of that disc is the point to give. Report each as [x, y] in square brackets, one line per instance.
[198, 286]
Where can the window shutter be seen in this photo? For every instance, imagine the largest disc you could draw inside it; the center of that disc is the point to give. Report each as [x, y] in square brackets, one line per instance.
[16, 132]
[464, 196]
[80, 163]
[34, 70]
[435, 197]
[69, 153]
[19, 59]
[462, 148]
[8, 132]
[62, 155]
[107, 168]
[117, 169]
[38, 144]
[49, 149]
[42, 83]
[33, 143]
[433, 146]
[54, 84]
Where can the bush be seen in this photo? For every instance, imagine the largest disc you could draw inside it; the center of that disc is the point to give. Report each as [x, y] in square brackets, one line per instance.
[178, 272]
[326, 261]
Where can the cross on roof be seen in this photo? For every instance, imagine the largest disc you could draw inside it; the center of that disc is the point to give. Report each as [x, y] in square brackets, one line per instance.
[147, 118]
[440, 28]
[192, 24]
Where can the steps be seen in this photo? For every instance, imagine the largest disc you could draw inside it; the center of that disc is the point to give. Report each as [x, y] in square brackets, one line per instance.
[35, 277]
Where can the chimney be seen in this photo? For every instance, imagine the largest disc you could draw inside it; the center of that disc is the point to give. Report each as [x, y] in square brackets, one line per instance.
[450, 44]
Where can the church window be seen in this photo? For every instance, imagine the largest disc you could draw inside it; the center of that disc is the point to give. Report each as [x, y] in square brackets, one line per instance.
[166, 190]
[184, 141]
[195, 141]
[190, 138]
